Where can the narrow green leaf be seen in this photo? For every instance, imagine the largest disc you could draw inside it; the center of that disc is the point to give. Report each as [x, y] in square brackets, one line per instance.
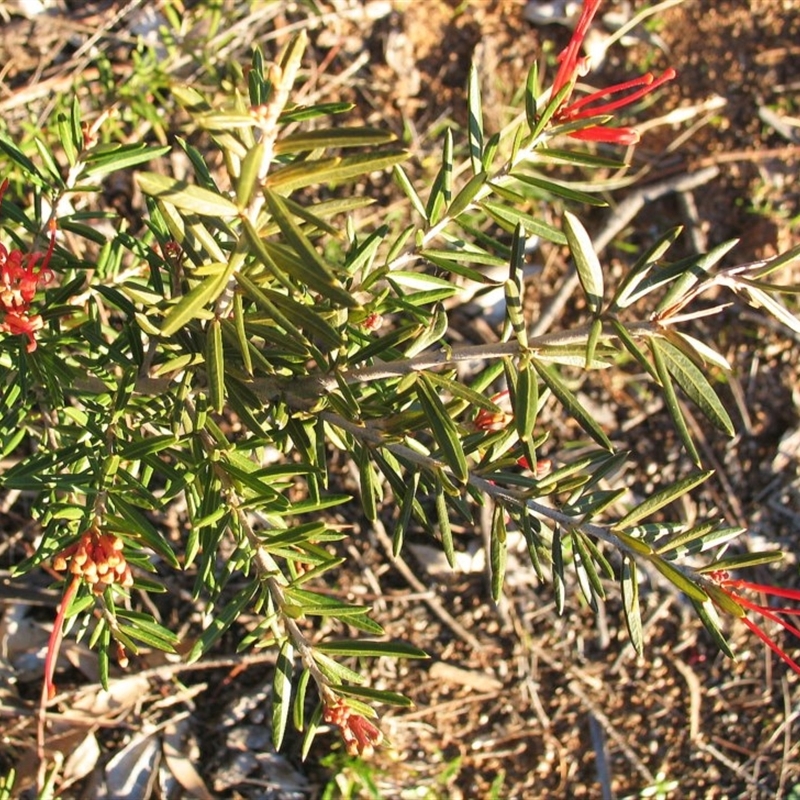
[374, 695]
[194, 304]
[320, 172]
[662, 498]
[221, 621]
[557, 556]
[671, 401]
[695, 384]
[369, 484]
[551, 187]
[250, 169]
[630, 603]
[532, 90]
[578, 157]
[409, 191]
[552, 106]
[760, 299]
[678, 579]
[626, 292]
[215, 365]
[467, 194]
[185, 196]
[632, 347]
[595, 332]
[514, 312]
[510, 217]
[708, 617]
[444, 430]
[744, 561]
[571, 404]
[587, 263]
[698, 268]
[371, 649]
[332, 137]
[588, 579]
[460, 391]
[241, 333]
[498, 551]
[475, 119]
[445, 529]
[526, 400]
[299, 705]
[407, 502]
[282, 693]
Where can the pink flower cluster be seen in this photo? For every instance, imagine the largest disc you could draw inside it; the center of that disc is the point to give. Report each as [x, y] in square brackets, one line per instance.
[19, 281]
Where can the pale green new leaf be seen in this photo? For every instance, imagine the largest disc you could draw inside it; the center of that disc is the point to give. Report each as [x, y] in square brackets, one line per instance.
[332, 137]
[186, 197]
[331, 170]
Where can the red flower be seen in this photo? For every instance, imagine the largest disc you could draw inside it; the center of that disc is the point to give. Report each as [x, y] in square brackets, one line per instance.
[360, 736]
[773, 613]
[19, 280]
[571, 66]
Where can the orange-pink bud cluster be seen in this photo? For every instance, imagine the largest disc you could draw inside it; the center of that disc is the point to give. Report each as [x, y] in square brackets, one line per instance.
[360, 736]
[98, 559]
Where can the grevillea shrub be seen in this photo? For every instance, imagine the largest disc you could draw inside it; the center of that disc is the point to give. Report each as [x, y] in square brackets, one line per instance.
[219, 363]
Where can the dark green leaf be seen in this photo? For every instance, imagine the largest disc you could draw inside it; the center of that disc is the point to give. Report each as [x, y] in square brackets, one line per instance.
[444, 430]
[662, 498]
[571, 404]
[671, 401]
[362, 648]
[630, 603]
[695, 384]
